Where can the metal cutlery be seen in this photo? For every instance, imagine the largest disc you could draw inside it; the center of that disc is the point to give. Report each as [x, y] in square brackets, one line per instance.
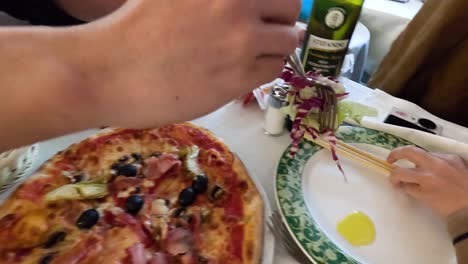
[327, 115]
[282, 235]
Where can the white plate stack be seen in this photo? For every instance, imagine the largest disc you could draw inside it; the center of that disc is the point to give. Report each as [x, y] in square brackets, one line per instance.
[16, 164]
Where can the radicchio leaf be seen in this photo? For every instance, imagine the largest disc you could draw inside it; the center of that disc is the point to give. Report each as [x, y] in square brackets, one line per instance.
[304, 106]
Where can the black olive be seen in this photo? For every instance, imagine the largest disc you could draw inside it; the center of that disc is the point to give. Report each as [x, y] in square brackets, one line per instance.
[87, 219]
[187, 196]
[136, 156]
[202, 260]
[123, 159]
[46, 259]
[128, 170]
[200, 183]
[55, 238]
[134, 204]
[178, 212]
[188, 219]
[78, 178]
[288, 123]
[216, 193]
[167, 202]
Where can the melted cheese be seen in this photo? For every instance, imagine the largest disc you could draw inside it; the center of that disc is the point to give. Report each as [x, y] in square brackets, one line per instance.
[161, 228]
[214, 229]
[126, 193]
[31, 230]
[159, 207]
[147, 183]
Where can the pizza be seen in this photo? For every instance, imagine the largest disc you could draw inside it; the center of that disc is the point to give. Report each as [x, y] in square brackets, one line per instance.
[174, 194]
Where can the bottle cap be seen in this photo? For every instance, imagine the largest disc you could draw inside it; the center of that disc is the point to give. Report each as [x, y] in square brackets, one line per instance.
[278, 96]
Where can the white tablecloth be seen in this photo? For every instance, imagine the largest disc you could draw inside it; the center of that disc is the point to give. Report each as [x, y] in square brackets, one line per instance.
[357, 52]
[241, 128]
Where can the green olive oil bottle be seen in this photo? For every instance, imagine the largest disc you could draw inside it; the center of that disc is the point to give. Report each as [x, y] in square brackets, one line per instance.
[329, 31]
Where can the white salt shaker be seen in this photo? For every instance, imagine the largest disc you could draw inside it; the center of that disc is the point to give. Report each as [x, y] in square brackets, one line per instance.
[274, 117]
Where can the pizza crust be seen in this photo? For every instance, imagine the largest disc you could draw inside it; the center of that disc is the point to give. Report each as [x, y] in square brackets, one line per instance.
[254, 208]
[84, 156]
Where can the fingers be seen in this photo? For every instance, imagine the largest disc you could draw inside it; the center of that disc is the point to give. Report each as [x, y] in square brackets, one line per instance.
[279, 11]
[415, 155]
[413, 190]
[456, 161]
[277, 40]
[410, 180]
[301, 33]
[266, 69]
[399, 175]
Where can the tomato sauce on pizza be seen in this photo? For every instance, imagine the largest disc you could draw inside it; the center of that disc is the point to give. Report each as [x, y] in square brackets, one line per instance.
[174, 194]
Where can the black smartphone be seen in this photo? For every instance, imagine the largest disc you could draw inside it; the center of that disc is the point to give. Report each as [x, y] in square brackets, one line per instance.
[395, 120]
[398, 117]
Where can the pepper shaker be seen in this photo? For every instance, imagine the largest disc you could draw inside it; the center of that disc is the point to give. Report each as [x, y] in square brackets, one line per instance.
[274, 117]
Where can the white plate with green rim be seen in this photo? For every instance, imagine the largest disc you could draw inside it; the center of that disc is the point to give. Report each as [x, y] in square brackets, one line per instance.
[313, 197]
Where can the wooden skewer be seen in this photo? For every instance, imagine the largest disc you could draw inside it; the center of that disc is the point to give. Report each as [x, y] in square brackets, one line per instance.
[365, 154]
[355, 154]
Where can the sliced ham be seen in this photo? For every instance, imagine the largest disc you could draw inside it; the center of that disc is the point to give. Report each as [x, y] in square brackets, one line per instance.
[124, 219]
[122, 183]
[212, 157]
[160, 228]
[137, 254]
[179, 241]
[158, 258]
[155, 167]
[188, 258]
[87, 247]
[145, 221]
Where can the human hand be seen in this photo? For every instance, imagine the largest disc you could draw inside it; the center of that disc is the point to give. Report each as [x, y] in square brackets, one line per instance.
[439, 180]
[166, 61]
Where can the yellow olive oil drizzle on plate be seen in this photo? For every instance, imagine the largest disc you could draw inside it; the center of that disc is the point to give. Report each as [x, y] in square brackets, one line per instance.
[357, 228]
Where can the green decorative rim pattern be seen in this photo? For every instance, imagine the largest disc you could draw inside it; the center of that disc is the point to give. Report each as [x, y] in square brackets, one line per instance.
[291, 202]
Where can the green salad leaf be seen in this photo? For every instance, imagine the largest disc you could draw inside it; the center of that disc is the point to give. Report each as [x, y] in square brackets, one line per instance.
[354, 110]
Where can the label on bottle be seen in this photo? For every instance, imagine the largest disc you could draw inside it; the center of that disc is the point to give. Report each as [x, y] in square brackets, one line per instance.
[329, 30]
[325, 55]
[323, 44]
[335, 17]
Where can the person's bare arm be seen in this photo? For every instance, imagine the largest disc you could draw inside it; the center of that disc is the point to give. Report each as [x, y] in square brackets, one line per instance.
[140, 66]
[441, 182]
[40, 86]
[457, 224]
